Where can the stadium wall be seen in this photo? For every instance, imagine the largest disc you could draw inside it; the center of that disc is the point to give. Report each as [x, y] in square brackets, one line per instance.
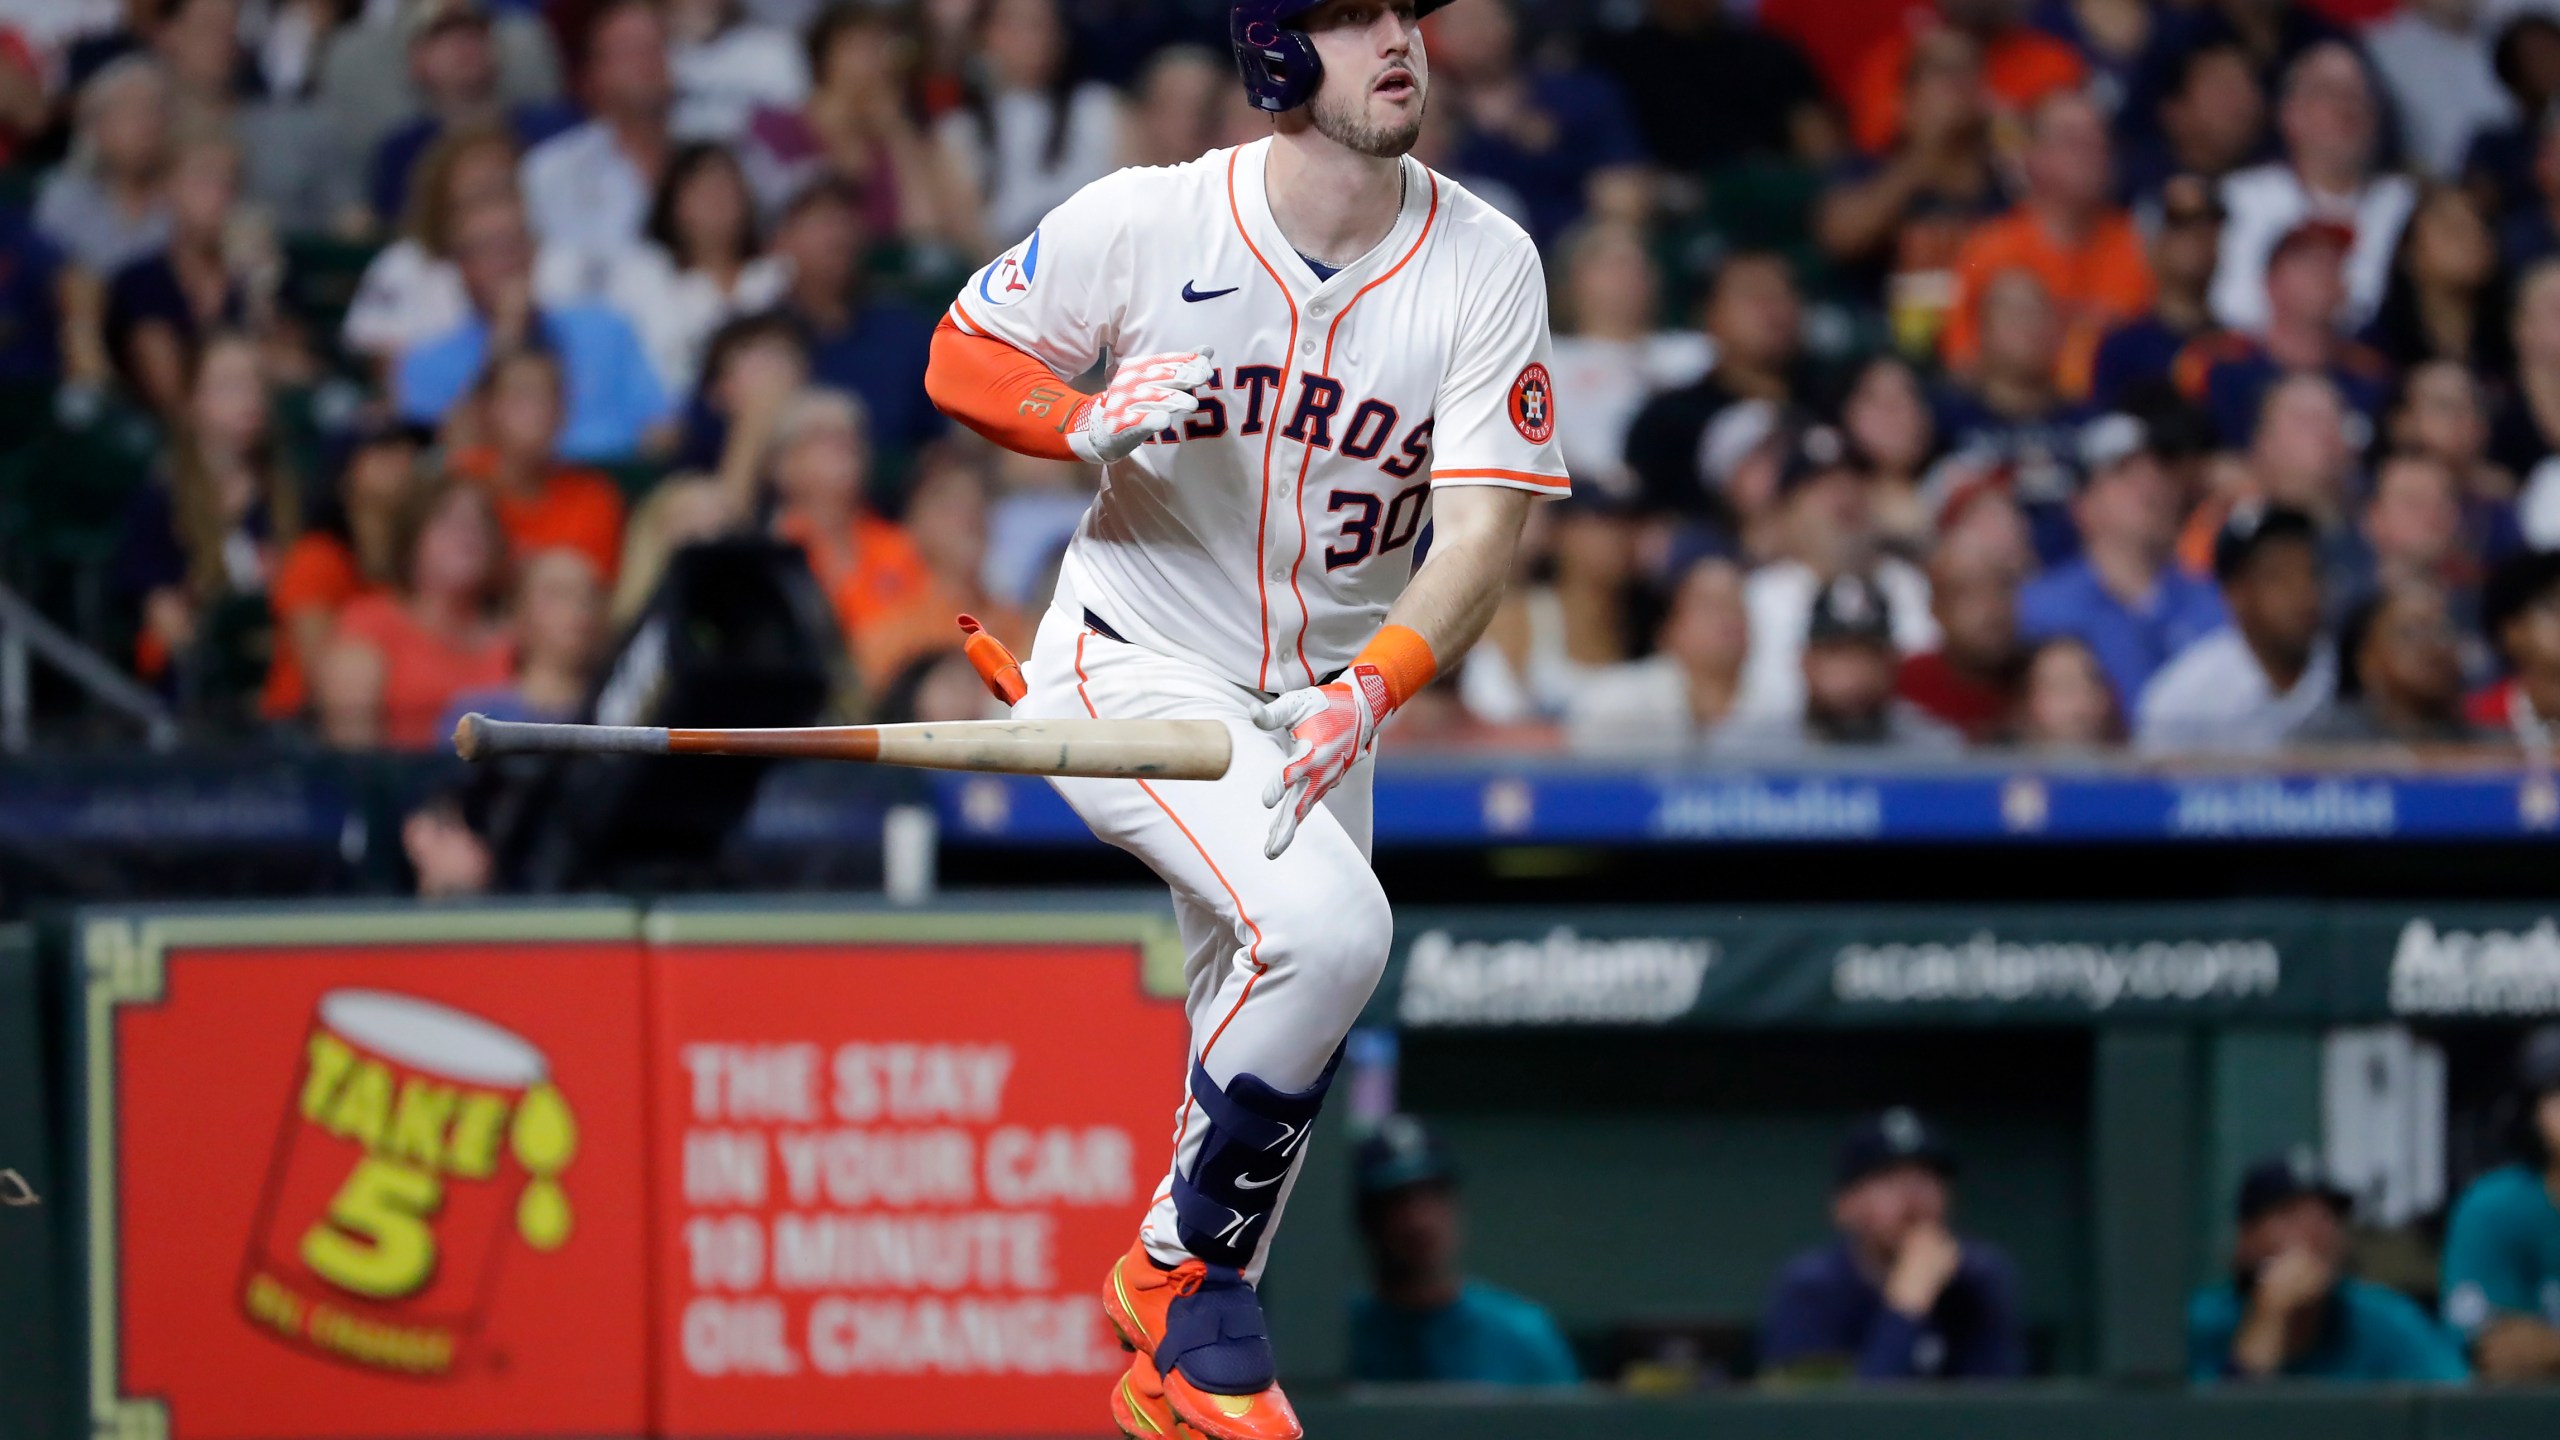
[1671, 1074]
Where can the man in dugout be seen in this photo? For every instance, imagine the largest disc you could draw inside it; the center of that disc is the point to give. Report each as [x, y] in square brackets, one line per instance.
[1425, 1320]
[2291, 1311]
[1897, 1296]
[2502, 1247]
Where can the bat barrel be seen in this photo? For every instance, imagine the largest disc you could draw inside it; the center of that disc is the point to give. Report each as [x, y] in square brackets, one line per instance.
[480, 738]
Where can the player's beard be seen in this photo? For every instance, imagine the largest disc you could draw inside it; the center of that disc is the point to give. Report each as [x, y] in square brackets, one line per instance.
[1344, 120]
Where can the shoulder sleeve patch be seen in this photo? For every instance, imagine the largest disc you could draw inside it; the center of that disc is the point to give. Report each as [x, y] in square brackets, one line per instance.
[1008, 277]
[1533, 404]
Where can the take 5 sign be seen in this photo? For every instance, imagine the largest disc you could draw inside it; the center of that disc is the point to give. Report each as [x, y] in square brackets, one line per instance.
[366, 1175]
[520, 1173]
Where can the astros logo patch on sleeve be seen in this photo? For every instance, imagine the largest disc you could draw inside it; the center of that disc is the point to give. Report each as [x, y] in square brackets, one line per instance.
[1009, 278]
[1533, 405]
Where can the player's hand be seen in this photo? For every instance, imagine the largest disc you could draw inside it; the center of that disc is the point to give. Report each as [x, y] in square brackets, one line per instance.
[1146, 394]
[1334, 725]
[2293, 1279]
[1928, 1259]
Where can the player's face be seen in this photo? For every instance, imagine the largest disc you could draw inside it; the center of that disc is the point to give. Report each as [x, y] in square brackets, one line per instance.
[1375, 76]
[1883, 1209]
[2307, 1224]
[2546, 1117]
[1416, 1232]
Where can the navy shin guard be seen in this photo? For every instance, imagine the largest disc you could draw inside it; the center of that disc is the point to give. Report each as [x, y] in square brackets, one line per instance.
[1223, 1207]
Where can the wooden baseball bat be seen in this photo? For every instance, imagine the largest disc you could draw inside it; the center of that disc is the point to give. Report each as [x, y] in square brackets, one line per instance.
[1139, 749]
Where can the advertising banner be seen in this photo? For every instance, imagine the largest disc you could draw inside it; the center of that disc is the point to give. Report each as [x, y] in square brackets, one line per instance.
[400, 1174]
[2253, 962]
[366, 1175]
[1516, 801]
[894, 1170]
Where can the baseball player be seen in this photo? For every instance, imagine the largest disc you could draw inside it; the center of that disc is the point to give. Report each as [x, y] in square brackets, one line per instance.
[1317, 347]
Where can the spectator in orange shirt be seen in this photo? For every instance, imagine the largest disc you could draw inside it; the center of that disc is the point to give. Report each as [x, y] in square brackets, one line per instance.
[399, 657]
[542, 503]
[946, 517]
[882, 591]
[348, 552]
[2021, 65]
[2066, 232]
[558, 627]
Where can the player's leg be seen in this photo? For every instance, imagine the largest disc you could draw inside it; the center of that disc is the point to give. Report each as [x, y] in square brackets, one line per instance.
[1307, 939]
[1278, 1015]
[1308, 931]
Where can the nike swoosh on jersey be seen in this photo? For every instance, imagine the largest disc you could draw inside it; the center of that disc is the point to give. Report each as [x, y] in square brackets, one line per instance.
[1196, 296]
[1247, 1182]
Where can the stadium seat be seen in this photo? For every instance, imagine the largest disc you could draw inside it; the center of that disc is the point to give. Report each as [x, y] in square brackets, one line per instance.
[321, 273]
[63, 496]
[635, 476]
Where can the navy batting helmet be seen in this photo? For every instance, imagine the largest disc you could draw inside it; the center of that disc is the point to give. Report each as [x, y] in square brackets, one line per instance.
[1278, 61]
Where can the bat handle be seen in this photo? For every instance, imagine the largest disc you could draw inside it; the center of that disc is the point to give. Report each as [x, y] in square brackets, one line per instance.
[480, 738]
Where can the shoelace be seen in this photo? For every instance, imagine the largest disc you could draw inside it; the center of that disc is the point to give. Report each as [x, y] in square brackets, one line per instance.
[1187, 1277]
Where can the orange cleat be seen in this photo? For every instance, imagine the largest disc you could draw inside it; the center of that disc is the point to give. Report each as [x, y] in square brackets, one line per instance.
[1135, 1295]
[1138, 1405]
[1217, 1340]
[1265, 1416]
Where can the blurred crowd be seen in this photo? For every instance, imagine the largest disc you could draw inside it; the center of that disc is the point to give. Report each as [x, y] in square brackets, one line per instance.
[2181, 375]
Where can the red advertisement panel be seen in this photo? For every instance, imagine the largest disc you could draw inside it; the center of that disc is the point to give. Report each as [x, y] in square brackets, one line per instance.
[890, 1180]
[382, 1190]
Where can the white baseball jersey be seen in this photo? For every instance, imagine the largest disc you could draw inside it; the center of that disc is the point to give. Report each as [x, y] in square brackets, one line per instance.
[1266, 535]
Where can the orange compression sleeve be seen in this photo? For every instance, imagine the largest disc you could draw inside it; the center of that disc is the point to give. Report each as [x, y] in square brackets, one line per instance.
[1001, 393]
[1404, 661]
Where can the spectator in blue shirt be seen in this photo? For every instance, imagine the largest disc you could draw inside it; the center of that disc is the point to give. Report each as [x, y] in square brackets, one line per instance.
[2502, 1247]
[2290, 1311]
[859, 342]
[1564, 140]
[1897, 1296]
[1426, 1320]
[615, 405]
[2124, 597]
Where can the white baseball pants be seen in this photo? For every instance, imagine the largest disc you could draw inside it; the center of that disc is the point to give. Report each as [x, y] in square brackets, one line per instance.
[1280, 954]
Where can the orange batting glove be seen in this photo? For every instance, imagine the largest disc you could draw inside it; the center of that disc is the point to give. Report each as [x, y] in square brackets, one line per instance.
[1145, 395]
[1335, 725]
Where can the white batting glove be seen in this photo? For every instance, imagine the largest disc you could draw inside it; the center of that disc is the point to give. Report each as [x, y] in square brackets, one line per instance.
[1145, 395]
[1334, 726]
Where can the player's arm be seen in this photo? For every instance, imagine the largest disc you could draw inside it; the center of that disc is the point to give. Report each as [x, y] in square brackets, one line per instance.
[1017, 402]
[1048, 308]
[1493, 448]
[1443, 610]
[2490, 1280]
[1001, 393]
[1475, 531]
